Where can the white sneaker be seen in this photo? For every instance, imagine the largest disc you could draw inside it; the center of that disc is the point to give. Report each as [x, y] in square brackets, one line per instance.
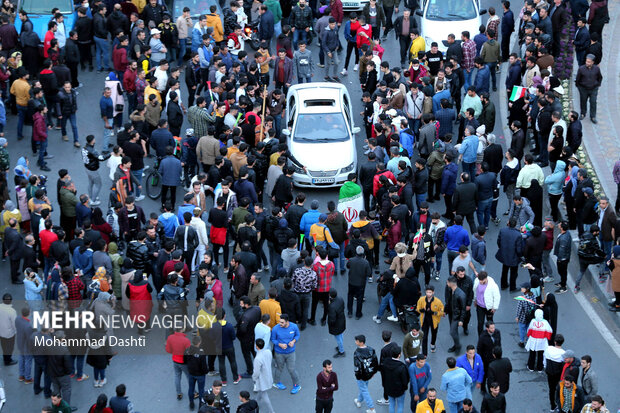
[383, 402]
[96, 384]
[358, 404]
[376, 319]
[392, 318]
[355, 68]
[344, 72]
[372, 410]
[138, 199]
[102, 382]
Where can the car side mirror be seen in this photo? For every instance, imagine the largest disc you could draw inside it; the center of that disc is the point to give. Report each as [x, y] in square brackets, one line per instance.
[356, 130]
[286, 132]
[419, 12]
[483, 11]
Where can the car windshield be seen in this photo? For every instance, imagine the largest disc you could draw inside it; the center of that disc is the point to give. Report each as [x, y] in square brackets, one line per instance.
[45, 6]
[321, 127]
[451, 10]
[196, 7]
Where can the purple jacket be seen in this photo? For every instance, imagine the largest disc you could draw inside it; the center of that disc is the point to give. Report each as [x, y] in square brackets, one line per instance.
[617, 172]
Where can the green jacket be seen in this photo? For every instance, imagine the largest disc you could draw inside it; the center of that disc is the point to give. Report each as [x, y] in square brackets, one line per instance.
[274, 7]
[62, 408]
[68, 201]
[490, 51]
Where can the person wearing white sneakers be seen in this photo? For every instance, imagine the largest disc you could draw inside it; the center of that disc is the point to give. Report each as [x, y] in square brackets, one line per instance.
[350, 30]
[386, 283]
[366, 366]
[98, 356]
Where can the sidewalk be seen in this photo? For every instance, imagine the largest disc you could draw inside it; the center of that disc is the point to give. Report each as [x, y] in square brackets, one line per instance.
[602, 144]
[601, 141]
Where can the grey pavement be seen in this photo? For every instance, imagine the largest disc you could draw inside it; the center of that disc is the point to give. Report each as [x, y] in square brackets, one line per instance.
[149, 378]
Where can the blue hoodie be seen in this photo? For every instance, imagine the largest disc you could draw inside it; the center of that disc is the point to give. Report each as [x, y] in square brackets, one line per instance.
[22, 169]
[283, 335]
[555, 181]
[83, 260]
[170, 222]
[448, 178]
[307, 220]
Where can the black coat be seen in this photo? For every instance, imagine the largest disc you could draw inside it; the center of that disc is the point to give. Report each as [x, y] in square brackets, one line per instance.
[486, 344]
[492, 404]
[406, 291]
[517, 143]
[289, 303]
[366, 175]
[29, 256]
[395, 377]
[455, 303]
[245, 328]
[72, 53]
[493, 155]
[359, 271]
[465, 198]
[398, 24]
[13, 244]
[192, 237]
[499, 371]
[336, 320]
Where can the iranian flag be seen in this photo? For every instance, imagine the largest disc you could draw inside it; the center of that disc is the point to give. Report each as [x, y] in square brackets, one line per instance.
[418, 235]
[517, 93]
[350, 201]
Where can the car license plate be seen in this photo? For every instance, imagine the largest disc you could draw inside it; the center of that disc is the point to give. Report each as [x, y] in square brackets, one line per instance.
[323, 180]
[350, 4]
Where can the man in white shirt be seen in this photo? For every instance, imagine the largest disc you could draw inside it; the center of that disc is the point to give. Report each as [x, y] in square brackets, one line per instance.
[7, 329]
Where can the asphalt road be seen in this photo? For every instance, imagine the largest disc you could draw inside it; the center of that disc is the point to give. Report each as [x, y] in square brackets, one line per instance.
[149, 378]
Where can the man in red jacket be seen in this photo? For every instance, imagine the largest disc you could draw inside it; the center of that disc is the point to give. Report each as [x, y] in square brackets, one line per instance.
[39, 135]
[176, 344]
[52, 26]
[119, 57]
[546, 260]
[129, 84]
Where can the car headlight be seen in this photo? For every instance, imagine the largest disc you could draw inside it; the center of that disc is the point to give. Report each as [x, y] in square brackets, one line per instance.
[347, 168]
[298, 170]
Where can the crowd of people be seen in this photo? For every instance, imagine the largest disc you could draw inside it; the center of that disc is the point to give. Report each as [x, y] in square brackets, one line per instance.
[429, 125]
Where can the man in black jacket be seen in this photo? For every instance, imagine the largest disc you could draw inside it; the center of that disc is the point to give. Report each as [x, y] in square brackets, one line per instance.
[186, 239]
[72, 57]
[336, 321]
[13, 245]
[465, 200]
[366, 175]
[248, 318]
[455, 307]
[100, 35]
[488, 340]
[59, 367]
[359, 272]
[294, 213]
[466, 285]
[403, 39]
[84, 29]
[195, 361]
[396, 379]
[499, 370]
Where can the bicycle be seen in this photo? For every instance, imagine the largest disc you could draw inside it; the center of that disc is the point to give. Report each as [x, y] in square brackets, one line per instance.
[153, 182]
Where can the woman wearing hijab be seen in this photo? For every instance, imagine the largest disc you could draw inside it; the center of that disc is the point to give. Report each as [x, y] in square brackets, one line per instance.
[538, 333]
[101, 225]
[127, 274]
[57, 293]
[103, 306]
[614, 266]
[550, 310]
[535, 196]
[98, 355]
[570, 187]
[140, 302]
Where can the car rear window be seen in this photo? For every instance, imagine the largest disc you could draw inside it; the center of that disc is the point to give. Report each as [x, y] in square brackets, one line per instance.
[320, 102]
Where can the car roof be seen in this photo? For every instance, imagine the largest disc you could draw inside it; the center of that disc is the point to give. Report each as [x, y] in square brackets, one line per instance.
[318, 92]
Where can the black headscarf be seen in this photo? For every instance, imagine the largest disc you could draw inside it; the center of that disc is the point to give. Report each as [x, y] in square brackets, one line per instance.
[535, 196]
[550, 311]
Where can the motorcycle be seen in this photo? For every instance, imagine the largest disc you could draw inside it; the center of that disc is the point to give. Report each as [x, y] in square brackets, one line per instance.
[251, 32]
[407, 317]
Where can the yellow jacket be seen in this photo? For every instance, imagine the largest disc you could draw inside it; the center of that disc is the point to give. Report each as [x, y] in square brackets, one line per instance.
[436, 307]
[271, 307]
[423, 407]
[21, 89]
[417, 45]
[140, 4]
[214, 20]
[148, 91]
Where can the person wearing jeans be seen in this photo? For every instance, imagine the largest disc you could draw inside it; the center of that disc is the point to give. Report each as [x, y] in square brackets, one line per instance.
[102, 49]
[387, 300]
[67, 100]
[366, 365]
[562, 251]
[329, 46]
[106, 106]
[395, 381]
[284, 337]
[195, 361]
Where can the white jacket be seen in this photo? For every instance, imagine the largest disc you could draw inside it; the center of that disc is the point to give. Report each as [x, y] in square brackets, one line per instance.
[7, 321]
[201, 229]
[491, 294]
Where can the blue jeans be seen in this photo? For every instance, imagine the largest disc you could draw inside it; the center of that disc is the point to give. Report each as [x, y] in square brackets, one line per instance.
[438, 258]
[99, 373]
[42, 151]
[277, 29]
[470, 168]
[275, 259]
[107, 135]
[182, 50]
[467, 82]
[343, 261]
[102, 53]
[25, 366]
[300, 79]
[192, 384]
[363, 394]
[522, 332]
[606, 246]
[178, 370]
[453, 407]
[277, 124]
[387, 299]
[138, 175]
[78, 364]
[397, 404]
[492, 67]
[21, 112]
[484, 212]
[419, 198]
[63, 124]
[340, 342]
[297, 35]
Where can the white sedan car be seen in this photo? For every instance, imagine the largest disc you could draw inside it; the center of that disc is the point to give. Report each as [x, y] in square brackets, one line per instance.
[322, 137]
[439, 18]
